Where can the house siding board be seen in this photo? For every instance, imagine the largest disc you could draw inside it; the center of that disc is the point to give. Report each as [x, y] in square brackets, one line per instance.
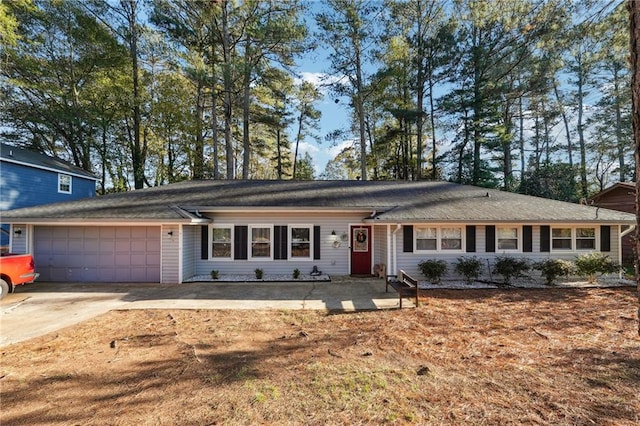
[190, 249]
[380, 245]
[19, 243]
[97, 254]
[409, 261]
[334, 260]
[37, 187]
[169, 255]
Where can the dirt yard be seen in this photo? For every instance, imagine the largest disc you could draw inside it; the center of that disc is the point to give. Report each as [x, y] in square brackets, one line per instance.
[569, 356]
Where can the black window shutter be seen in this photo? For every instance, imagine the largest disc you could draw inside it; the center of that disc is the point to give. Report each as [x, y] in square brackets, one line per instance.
[280, 242]
[490, 244]
[527, 238]
[240, 243]
[316, 242]
[407, 238]
[471, 238]
[605, 238]
[545, 239]
[204, 242]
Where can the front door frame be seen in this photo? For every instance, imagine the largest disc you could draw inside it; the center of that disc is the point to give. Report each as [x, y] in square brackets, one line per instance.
[359, 262]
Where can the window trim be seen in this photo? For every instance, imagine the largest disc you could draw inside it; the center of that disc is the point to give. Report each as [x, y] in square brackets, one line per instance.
[439, 229]
[250, 255]
[290, 242]
[60, 177]
[574, 248]
[519, 238]
[221, 226]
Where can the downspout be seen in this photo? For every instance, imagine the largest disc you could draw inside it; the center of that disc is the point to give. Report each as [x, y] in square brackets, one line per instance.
[394, 252]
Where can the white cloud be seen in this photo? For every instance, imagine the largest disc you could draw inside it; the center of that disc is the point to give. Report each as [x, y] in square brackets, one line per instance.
[321, 80]
[304, 147]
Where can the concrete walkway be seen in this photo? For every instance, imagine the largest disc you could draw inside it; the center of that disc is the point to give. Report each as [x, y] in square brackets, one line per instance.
[40, 308]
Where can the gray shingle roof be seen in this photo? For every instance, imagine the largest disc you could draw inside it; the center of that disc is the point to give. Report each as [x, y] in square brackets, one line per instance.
[392, 201]
[14, 154]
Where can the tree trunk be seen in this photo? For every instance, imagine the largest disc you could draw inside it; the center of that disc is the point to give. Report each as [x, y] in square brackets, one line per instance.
[228, 87]
[584, 191]
[138, 153]
[246, 143]
[565, 120]
[198, 152]
[634, 25]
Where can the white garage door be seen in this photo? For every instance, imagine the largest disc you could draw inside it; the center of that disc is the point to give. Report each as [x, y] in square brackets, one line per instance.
[97, 253]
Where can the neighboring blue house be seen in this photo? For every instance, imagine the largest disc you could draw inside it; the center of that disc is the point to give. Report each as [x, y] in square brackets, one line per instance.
[29, 178]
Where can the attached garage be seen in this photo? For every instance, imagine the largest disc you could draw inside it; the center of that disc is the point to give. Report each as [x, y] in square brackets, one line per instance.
[98, 253]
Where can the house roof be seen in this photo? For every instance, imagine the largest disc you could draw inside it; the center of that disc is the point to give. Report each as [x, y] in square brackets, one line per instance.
[12, 154]
[628, 186]
[378, 201]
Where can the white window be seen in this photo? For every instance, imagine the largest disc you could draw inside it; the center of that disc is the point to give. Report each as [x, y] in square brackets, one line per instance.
[585, 239]
[507, 238]
[300, 242]
[573, 239]
[222, 242]
[261, 244]
[434, 238]
[426, 238]
[64, 183]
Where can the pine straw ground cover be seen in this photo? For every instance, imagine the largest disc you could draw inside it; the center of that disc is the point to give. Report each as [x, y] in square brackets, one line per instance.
[553, 356]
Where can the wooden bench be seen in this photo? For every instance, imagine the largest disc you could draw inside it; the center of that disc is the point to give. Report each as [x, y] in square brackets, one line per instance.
[404, 284]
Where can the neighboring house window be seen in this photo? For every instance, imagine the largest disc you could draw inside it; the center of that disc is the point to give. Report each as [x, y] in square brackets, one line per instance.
[260, 242]
[431, 238]
[570, 239]
[300, 242]
[222, 242]
[507, 238]
[64, 183]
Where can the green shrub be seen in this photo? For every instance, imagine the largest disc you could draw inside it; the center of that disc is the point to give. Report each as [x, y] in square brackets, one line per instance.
[214, 274]
[510, 267]
[433, 270]
[592, 264]
[469, 267]
[296, 274]
[552, 269]
[259, 273]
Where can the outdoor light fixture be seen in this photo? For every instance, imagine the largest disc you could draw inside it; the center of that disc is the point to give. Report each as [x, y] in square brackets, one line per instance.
[18, 232]
[333, 233]
[170, 233]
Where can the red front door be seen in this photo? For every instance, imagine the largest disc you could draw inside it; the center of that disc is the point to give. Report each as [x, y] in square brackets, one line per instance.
[360, 250]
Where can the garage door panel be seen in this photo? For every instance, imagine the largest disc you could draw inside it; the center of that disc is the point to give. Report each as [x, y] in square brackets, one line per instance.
[106, 274]
[139, 246]
[153, 259]
[124, 233]
[60, 232]
[123, 246]
[59, 246]
[90, 260]
[95, 254]
[76, 246]
[106, 246]
[107, 232]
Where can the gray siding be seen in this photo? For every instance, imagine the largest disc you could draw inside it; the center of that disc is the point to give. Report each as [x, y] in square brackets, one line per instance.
[409, 261]
[334, 258]
[20, 243]
[190, 240]
[170, 249]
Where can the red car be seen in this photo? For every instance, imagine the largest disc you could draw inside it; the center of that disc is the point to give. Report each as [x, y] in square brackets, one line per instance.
[15, 269]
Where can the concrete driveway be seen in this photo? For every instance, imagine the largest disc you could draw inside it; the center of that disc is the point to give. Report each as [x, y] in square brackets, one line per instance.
[39, 308]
